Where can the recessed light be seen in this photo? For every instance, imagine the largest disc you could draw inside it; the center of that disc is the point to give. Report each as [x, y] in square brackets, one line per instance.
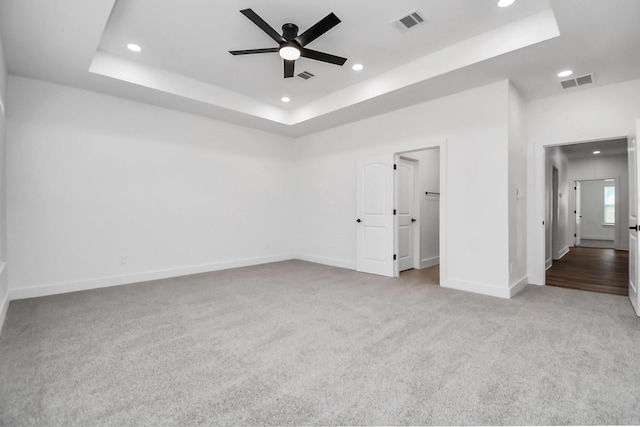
[357, 67]
[505, 3]
[596, 152]
[565, 73]
[134, 47]
[286, 99]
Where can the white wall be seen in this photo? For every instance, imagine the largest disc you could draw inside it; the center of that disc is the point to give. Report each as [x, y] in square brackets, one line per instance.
[585, 114]
[517, 192]
[604, 167]
[429, 222]
[4, 289]
[473, 124]
[92, 178]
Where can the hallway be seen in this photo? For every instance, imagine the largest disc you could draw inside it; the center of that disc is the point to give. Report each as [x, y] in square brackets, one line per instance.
[592, 269]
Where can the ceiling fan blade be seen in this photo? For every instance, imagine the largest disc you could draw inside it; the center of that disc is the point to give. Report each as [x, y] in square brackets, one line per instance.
[324, 57]
[263, 25]
[320, 27]
[289, 66]
[250, 51]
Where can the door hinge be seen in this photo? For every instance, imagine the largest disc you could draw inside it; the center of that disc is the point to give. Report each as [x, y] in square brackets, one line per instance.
[575, 235]
[395, 166]
[394, 211]
[575, 212]
[394, 257]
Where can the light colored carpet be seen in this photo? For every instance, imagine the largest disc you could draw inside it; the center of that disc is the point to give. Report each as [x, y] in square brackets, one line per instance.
[299, 343]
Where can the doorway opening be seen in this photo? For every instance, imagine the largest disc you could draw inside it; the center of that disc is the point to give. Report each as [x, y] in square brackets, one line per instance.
[595, 213]
[417, 219]
[587, 240]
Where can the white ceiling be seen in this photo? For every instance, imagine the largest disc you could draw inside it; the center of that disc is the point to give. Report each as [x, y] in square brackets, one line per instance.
[185, 62]
[611, 147]
[365, 35]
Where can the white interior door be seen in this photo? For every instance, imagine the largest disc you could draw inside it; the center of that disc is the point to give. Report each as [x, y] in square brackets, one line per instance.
[374, 210]
[406, 212]
[633, 220]
[578, 211]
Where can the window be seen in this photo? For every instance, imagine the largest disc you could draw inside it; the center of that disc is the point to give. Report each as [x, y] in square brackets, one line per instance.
[609, 205]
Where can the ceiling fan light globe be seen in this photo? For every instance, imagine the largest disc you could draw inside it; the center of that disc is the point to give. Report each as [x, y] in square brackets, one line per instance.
[505, 3]
[289, 53]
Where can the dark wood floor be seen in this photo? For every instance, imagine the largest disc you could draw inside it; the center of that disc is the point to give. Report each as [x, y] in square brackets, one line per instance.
[592, 269]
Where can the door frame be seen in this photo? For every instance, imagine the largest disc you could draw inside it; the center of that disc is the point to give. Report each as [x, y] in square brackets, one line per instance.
[577, 212]
[632, 215]
[538, 179]
[408, 149]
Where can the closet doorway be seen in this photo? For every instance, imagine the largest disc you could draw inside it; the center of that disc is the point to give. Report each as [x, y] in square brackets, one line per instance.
[417, 219]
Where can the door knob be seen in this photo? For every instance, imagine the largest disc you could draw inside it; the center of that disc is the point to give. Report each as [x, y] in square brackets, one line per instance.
[358, 220]
[635, 227]
[413, 220]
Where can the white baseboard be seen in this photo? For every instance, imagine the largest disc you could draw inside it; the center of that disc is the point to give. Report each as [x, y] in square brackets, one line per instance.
[333, 262]
[563, 252]
[4, 299]
[518, 286]
[4, 306]
[597, 238]
[477, 288]
[83, 285]
[429, 262]
[548, 263]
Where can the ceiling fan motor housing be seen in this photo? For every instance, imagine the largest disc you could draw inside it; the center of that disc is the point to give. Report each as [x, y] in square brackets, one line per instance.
[289, 32]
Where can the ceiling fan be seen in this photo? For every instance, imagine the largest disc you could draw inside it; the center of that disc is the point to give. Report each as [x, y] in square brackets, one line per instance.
[291, 45]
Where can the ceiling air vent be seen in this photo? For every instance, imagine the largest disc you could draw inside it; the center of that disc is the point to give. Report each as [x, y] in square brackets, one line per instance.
[578, 81]
[305, 75]
[410, 21]
[566, 84]
[585, 80]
